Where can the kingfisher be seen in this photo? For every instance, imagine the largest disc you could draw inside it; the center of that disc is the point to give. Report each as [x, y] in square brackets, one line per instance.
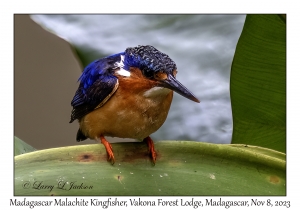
[126, 95]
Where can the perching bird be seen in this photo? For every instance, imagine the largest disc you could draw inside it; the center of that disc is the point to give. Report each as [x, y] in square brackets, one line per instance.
[126, 95]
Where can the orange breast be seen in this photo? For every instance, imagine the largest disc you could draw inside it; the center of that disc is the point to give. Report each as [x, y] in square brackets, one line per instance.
[137, 109]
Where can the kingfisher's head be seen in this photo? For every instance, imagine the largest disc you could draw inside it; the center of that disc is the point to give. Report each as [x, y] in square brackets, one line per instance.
[154, 65]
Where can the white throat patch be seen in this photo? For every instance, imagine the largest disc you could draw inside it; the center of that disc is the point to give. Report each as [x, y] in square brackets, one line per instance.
[156, 91]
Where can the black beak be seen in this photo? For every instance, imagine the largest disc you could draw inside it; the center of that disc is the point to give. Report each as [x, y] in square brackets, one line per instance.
[175, 85]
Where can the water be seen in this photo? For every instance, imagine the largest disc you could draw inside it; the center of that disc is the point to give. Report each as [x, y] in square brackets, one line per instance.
[202, 46]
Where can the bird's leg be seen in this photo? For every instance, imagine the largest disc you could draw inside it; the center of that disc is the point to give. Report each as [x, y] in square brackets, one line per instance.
[152, 151]
[108, 147]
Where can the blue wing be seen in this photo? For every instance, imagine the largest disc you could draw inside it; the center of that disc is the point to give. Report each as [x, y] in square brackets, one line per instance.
[97, 82]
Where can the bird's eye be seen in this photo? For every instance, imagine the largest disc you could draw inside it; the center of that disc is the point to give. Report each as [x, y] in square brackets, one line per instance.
[148, 73]
[174, 73]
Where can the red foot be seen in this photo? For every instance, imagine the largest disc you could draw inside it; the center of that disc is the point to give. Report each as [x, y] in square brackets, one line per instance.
[109, 151]
[152, 151]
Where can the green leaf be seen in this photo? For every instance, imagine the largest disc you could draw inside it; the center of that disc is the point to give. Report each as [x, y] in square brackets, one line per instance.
[182, 168]
[21, 147]
[258, 83]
